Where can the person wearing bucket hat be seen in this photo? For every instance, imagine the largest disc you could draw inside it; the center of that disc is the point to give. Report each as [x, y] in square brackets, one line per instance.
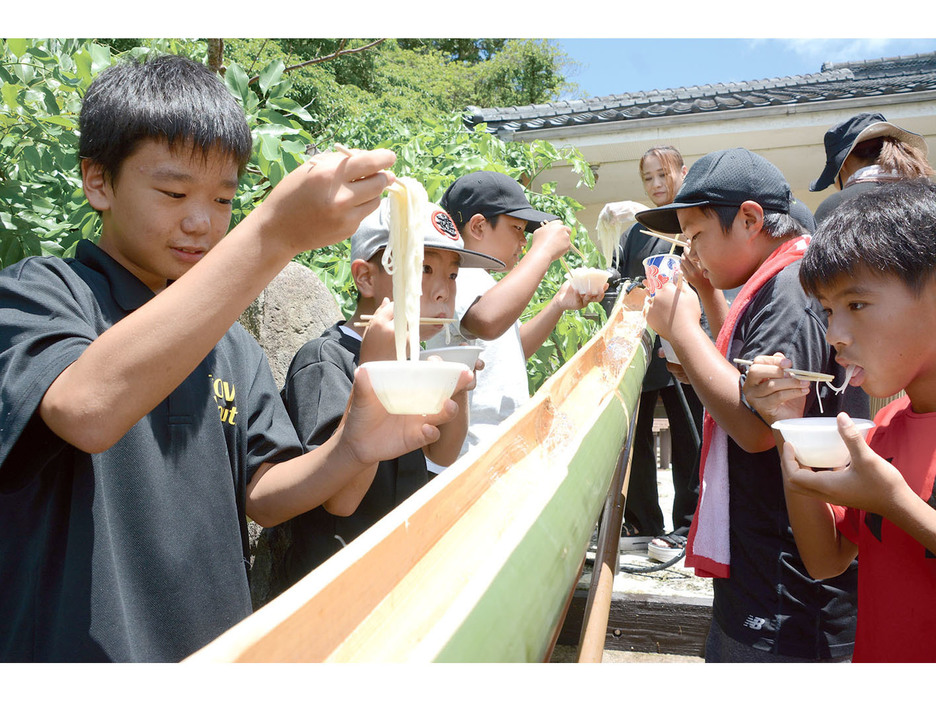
[318, 385]
[734, 209]
[864, 151]
[493, 215]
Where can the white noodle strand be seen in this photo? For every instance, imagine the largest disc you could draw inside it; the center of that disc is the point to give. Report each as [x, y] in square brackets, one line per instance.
[403, 260]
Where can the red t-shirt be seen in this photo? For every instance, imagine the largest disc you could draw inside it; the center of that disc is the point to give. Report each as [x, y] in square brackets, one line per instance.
[896, 574]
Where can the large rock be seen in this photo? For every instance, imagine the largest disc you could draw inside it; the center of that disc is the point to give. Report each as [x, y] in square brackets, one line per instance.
[295, 307]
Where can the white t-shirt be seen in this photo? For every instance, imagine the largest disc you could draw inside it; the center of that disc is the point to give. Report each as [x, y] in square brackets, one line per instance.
[502, 385]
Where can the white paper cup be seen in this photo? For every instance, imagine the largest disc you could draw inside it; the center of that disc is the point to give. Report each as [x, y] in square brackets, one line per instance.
[660, 270]
[816, 440]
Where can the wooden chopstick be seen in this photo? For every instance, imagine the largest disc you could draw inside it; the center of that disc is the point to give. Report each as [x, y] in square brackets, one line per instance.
[795, 372]
[664, 237]
[422, 320]
[576, 250]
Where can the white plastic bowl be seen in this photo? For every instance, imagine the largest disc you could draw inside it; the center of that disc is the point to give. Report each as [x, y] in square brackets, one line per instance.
[413, 387]
[816, 440]
[588, 281]
[456, 354]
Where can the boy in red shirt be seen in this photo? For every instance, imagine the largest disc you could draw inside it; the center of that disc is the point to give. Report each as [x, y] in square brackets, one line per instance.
[872, 265]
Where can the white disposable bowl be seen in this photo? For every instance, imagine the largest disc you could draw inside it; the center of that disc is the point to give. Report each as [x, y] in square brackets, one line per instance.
[816, 440]
[588, 281]
[456, 354]
[413, 387]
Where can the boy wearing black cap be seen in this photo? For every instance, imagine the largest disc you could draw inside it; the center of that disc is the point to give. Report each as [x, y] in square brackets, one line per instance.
[864, 151]
[141, 425]
[319, 380]
[734, 209]
[494, 216]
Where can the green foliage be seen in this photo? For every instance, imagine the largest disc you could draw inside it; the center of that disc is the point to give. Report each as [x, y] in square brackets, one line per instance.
[460, 50]
[42, 206]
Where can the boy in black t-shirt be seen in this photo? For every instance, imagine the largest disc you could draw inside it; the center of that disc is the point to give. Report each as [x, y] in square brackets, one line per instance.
[319, 379]
[734, 208]
[141, 425]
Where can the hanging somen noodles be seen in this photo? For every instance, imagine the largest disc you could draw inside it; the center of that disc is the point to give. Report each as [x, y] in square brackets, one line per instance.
[612, 221]
[403, 260]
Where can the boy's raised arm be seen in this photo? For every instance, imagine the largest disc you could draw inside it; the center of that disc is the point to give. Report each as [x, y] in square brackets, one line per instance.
[496, 311]
[135, 364]
[675, 314]
[534, 332]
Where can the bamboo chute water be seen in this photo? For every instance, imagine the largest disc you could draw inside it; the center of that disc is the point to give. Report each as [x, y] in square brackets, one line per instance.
[479, 565]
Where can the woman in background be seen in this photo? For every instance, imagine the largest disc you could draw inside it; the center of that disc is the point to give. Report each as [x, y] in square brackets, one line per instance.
[662, 171]
[865, 151]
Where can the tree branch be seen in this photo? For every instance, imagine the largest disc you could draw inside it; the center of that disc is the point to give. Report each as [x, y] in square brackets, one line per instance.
[340, 52]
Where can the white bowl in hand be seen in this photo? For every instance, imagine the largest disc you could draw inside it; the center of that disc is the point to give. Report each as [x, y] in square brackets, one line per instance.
[456, 354]
[588, 281]
[413, 387]
[816, 440]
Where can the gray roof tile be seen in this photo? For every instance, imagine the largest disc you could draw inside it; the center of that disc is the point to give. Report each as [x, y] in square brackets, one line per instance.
[835, 81]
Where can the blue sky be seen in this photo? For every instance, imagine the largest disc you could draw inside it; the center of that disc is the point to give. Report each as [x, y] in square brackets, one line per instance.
[609, 66]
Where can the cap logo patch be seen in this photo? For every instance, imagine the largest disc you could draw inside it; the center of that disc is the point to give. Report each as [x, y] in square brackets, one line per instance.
[444, 225]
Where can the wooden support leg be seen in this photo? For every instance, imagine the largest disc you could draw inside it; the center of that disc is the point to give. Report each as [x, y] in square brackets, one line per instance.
[598, 604]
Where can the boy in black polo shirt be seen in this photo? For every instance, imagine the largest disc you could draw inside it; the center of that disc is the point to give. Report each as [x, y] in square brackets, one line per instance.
[140, 425]
[319, 381]
[734, 209]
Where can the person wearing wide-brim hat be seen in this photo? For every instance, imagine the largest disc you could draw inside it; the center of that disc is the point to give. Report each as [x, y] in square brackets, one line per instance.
[865, 151]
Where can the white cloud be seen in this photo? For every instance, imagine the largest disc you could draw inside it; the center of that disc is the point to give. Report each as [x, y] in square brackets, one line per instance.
[834, 50]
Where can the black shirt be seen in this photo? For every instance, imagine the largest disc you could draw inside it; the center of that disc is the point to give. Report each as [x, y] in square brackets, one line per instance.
[837, 198]
[316, 392]
[138, 553]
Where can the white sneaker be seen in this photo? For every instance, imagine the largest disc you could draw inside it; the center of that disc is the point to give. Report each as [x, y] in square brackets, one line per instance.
[666, 548]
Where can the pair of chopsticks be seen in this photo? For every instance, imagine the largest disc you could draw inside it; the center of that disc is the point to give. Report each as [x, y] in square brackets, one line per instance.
[795, 372]
[573, 247]
[422, 320]
[675, 242]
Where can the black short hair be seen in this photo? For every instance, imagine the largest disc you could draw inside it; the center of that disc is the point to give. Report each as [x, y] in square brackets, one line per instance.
[776, 225]
[492, 221]
[165, 97]
[889, 230]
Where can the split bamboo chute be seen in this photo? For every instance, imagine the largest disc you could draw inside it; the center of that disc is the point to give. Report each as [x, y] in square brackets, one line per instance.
[480, 564]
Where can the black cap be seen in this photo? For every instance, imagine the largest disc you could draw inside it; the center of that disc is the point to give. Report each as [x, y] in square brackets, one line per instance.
[802, 214]
[730, 177]
[490, 193]
[841, 139]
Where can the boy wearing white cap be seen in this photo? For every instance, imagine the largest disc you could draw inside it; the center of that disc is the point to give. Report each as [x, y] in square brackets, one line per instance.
[319, 380]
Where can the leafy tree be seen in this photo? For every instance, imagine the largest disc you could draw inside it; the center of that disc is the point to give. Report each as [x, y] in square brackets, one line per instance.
[461, 50]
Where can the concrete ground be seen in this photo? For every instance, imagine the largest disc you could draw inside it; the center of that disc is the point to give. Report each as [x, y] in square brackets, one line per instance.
[675, 580]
